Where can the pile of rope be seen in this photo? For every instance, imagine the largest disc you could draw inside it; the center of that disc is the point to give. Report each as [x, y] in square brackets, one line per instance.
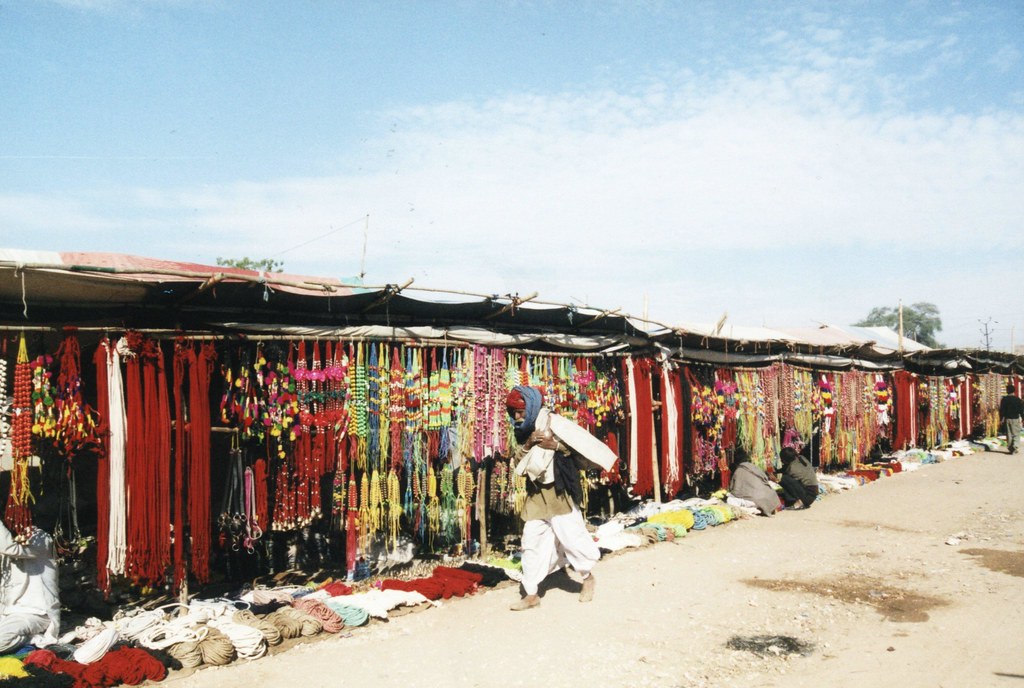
[490, 576]
[676, 520]
[445, 582]
[652, 532]
[293, 623]
[211, 632]
[205, 632]
[336, 588]
[210, 647]
[350, 614]
[12, 667]
[124, 665]
[330, 621]
[271, 633]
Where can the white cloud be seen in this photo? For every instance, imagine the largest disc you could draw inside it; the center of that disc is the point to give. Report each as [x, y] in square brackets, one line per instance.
[1006, 58]
[602, 194]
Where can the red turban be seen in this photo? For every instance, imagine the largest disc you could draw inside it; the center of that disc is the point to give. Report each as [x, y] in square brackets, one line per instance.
[515, 400]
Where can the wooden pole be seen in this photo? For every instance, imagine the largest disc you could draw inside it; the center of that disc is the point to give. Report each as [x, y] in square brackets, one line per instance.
[901, 326]
[366, 235]
[481, 509]
[515, 303]
[654, 453]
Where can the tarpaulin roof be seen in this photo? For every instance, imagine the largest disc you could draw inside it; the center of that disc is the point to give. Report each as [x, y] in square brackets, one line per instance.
[107, 291]
[98, 289]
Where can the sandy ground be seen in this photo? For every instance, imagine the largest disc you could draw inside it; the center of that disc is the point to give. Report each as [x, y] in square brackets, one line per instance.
[864, 583]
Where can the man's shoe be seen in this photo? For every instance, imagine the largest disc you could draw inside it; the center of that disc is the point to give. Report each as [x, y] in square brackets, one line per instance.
[587, 591]
[528, 602]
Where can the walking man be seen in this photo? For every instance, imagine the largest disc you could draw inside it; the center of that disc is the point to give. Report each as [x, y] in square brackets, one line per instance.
[554, 533]
[1010, 412]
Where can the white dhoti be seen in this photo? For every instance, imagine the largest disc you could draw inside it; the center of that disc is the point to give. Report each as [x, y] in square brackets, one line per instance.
[17, 630]
[550, 544]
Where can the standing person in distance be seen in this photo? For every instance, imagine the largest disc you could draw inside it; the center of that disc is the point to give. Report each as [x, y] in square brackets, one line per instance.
[1011, 409]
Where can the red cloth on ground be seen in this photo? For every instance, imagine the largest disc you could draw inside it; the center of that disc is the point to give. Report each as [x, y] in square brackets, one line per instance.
[124, 665]
[444, 582]
[337, 588]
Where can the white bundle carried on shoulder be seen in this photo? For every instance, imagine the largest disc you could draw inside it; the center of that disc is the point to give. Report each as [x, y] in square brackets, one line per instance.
[538, 463]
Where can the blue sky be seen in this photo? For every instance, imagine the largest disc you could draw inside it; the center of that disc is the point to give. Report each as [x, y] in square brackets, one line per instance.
[787, 163]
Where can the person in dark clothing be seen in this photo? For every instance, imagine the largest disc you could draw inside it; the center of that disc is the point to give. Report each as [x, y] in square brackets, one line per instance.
[1010, 412]
[750, 482]
[799, 482]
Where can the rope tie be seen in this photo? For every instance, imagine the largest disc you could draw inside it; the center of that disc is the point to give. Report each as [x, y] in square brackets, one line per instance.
[96, 647]
[700, 521]
[248, 640]
[266, 596]
[271, 633]
[134, 624]
[310, 625]
[214, 648]
[164, 636]
[350, 614]
[331, 622]
[289, 626]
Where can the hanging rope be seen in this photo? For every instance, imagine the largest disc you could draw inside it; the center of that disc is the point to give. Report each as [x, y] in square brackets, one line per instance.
[118, 422]
[201, 364]
[181, 451]
[17, 515]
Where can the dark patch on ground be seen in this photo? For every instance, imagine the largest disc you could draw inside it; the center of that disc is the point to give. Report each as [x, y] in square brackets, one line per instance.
[876, 526]
[999, 560]
[770, 645]
[895, 604]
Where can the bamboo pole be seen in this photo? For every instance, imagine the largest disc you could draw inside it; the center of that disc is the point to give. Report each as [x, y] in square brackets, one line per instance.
[515, 303]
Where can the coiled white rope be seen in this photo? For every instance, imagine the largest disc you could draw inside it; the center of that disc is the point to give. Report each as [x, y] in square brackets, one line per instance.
[96, 647]
[248, 640]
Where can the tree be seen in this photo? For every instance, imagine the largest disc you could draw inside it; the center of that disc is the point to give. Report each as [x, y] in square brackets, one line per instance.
[247, 263]
[921, 321]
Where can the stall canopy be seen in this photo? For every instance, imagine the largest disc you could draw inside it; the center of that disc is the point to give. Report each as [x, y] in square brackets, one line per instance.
[104, 290]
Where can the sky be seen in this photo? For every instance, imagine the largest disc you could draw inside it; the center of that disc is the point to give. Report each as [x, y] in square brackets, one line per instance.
[781, 163]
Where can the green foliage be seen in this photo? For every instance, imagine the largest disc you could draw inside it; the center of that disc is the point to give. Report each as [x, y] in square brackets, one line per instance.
[921, 321]
[247, 263]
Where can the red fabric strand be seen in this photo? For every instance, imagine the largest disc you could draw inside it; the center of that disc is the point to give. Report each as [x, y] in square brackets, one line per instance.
[642, 407]
[147, 463]
[125, 665]
[200, 526]
[260, 486]
[181, 447]
[669, 441]
[904, 392]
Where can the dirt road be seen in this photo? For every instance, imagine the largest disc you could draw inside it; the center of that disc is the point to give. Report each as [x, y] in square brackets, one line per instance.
[862, 588]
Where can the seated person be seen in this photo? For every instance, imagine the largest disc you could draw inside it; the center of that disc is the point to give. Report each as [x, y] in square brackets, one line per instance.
[29, 596]
[799, 481]
[751, 483]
